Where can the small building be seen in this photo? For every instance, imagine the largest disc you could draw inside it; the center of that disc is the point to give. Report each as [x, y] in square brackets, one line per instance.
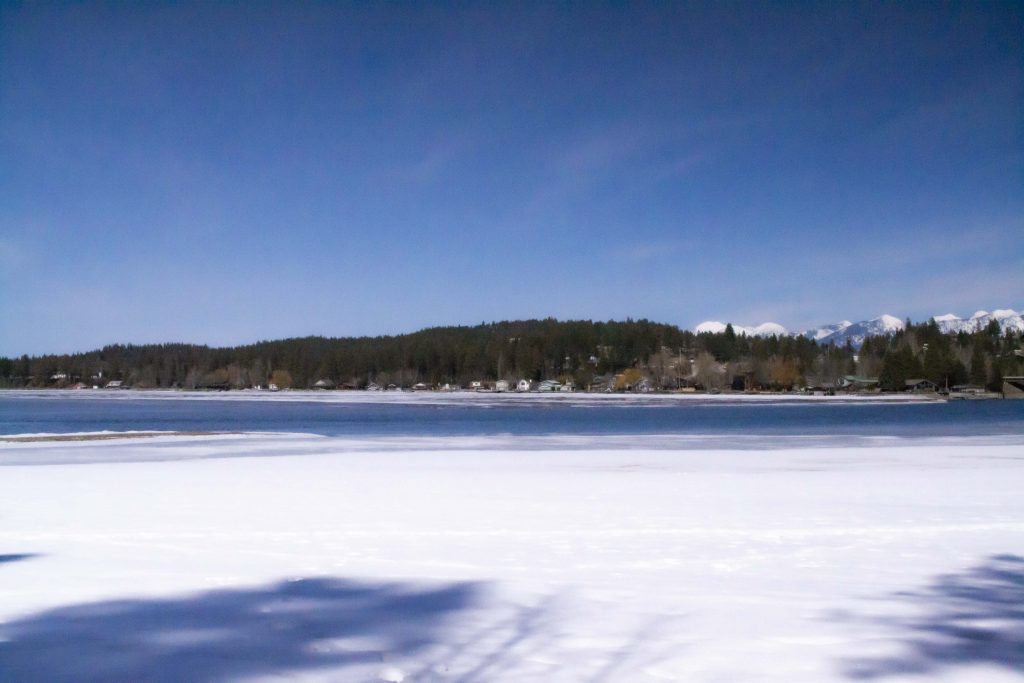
[501, 385]
[855, 383]
[115, 384]
[419, 386]
[1013, 387]
[919, 385]
[524, 385]
[323, 384]
[476, 385]
[549, 385]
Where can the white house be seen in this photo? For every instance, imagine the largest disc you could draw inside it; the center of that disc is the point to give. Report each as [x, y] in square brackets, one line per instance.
[523, 385]
[501, 385]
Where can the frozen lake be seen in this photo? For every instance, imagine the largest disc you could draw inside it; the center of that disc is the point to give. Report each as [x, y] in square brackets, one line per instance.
[386, 550]
[465, 414]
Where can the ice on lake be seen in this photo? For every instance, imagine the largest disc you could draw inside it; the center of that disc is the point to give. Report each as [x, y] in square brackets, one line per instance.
[360, 559]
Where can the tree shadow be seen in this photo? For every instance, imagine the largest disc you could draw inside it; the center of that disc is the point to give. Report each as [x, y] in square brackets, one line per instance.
[973, 617]
[291, 627]
[16, 557]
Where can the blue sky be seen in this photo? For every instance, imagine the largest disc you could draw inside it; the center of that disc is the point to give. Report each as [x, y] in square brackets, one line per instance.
[222, 173]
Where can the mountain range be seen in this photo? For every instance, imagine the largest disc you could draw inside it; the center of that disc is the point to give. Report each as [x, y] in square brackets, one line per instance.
[856, 332]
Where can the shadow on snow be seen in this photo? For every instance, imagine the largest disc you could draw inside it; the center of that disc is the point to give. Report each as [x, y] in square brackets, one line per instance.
[287, 627]
[974, 617]
[16, 557]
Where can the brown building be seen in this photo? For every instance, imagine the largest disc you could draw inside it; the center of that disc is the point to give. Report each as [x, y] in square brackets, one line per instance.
[1013, 387]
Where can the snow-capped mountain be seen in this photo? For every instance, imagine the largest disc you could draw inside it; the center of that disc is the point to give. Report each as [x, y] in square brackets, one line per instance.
[838, 333]
[856, 333]
[1006, 317]
[762, 330]
[826, 330]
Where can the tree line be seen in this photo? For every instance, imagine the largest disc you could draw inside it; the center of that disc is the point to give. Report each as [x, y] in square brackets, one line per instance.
[588, 353]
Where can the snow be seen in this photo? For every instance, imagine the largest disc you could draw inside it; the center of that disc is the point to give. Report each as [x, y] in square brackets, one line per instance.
[762, 330]
[557, 559]
[769, 329]
[711, 326]
[889, 322]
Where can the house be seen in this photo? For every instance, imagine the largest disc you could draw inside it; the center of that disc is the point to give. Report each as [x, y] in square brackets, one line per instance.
[115, 384]
[567, 387]
[373, 386]
[323, 384]
[419, 386]
[644, 386]
[549, 385]
[501, 385]
[854, 383]
[476, 386]
[523, 385]
[919, 385]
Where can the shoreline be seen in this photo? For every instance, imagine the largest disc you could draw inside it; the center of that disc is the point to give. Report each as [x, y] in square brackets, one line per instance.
[409, 396]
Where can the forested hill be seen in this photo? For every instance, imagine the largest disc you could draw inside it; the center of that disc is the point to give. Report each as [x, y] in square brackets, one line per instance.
[530, 349]
[583, 351]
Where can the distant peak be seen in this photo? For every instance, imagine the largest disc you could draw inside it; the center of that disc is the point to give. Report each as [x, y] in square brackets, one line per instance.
[712, 326]
[768, 329]
[890, 321]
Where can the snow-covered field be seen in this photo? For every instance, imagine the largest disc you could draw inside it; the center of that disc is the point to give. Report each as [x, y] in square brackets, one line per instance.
[156, 559]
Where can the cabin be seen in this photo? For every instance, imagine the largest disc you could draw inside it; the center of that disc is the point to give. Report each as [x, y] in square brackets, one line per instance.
[501, 385]
[523, 385]
[115, 384]
[323, 384]
[919, 385]
[419, 386]
[549, 385]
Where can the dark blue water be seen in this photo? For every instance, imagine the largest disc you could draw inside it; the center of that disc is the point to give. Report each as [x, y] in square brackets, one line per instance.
[53, 414]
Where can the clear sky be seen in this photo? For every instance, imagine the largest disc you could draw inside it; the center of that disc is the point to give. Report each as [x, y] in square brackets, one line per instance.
[223, 173]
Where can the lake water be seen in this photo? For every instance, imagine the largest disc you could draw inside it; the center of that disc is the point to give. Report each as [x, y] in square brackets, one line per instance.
[366, 414]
